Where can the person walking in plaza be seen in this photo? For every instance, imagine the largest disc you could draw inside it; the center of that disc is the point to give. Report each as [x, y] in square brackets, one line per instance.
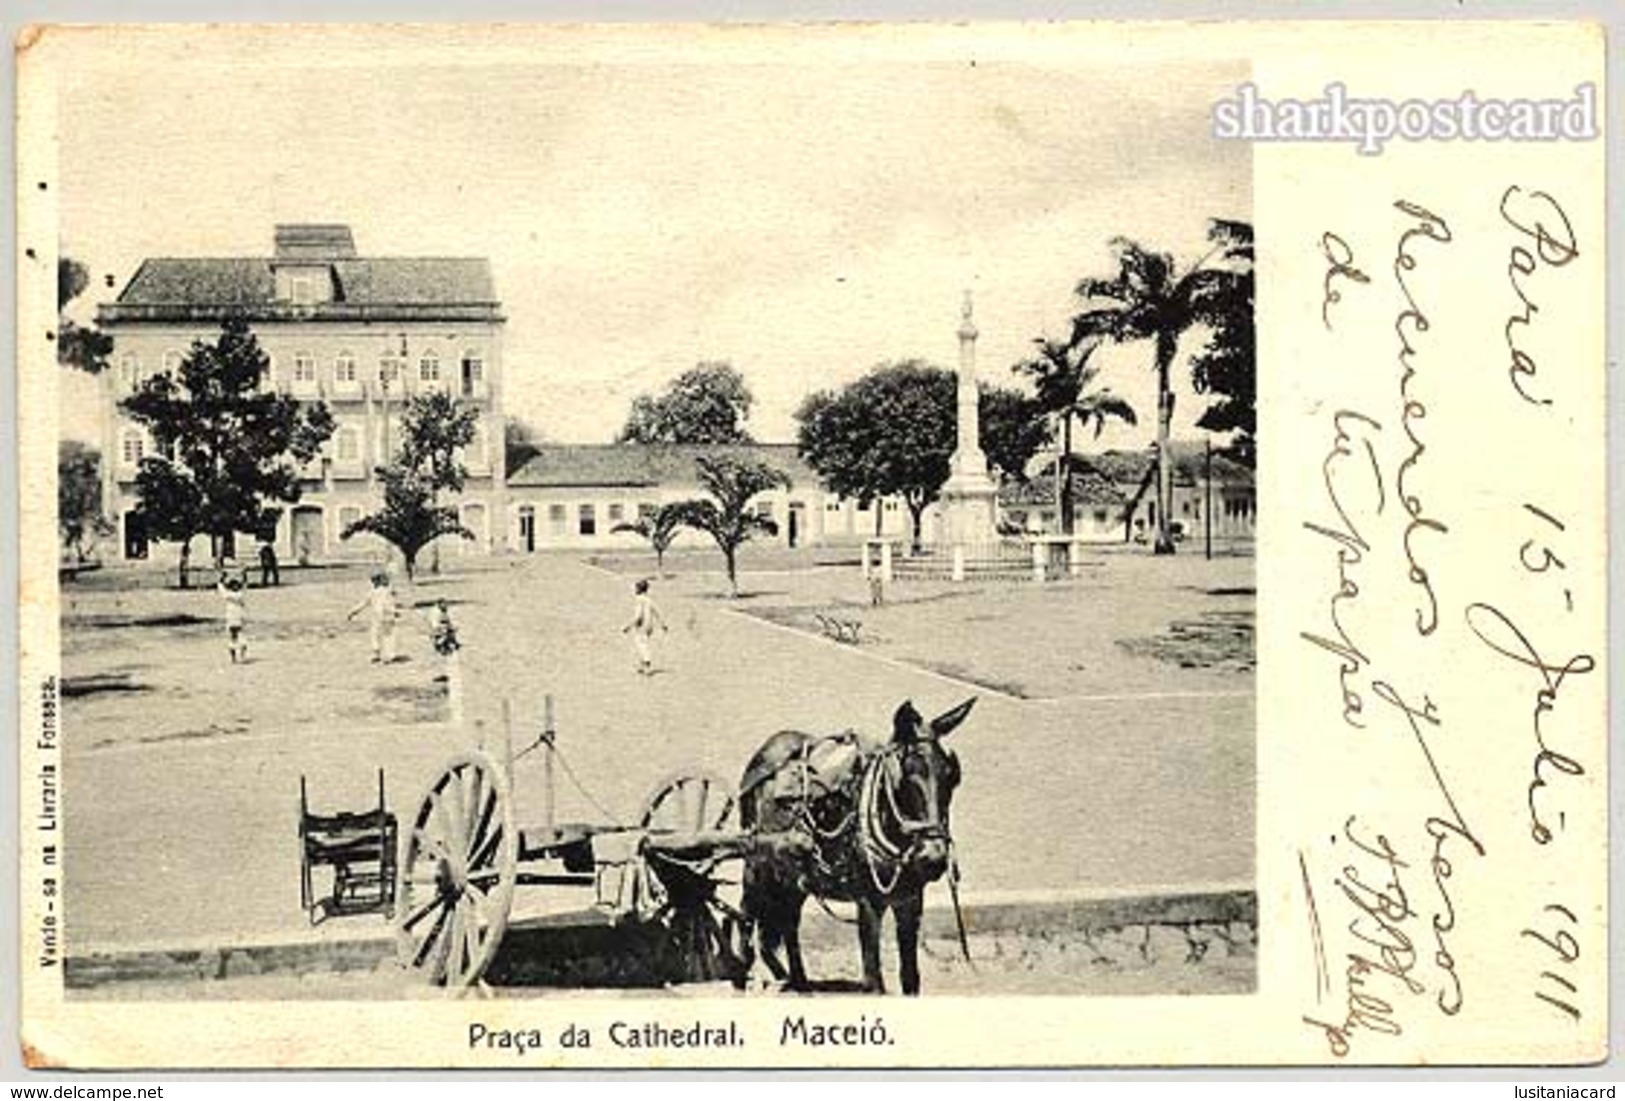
[231, 591]
[270, 574]
[382, 612]
[645, 617]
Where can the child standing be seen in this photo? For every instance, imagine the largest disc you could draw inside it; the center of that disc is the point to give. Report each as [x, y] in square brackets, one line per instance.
[379, 603]
[231, 590]
[645, 617]
[442, 632]
[443, 635]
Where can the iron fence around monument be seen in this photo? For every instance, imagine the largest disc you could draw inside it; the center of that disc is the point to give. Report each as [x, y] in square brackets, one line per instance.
[1002, 559]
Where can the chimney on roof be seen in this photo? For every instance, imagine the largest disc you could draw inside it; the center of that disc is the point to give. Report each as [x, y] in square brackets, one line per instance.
[304, 241]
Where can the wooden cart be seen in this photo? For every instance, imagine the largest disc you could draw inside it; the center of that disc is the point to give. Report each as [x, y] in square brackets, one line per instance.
[465, 854]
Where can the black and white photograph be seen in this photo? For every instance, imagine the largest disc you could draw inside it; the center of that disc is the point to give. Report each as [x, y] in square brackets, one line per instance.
[746, 532]
[636, 526]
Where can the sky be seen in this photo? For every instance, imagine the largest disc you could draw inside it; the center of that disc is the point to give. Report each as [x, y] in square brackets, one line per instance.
[803, 220]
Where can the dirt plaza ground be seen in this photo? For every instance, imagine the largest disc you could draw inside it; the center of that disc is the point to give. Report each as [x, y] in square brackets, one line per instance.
[1111, 748]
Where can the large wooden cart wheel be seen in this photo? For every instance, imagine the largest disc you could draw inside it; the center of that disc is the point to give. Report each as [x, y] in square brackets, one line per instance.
[688, 802]
[459, 864]
[695, 893]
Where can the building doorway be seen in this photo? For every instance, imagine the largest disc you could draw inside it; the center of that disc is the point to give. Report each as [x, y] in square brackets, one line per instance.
[135, 535]
[309, 539]
[792, 529]
[527, 529]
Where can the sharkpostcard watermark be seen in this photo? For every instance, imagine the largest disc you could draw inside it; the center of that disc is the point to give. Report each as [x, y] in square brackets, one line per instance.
[1372, 123]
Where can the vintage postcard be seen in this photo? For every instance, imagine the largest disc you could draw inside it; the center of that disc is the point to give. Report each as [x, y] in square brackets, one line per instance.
[813, 546]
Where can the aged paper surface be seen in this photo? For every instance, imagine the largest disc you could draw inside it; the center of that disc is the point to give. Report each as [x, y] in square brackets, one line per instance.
[1381, 840]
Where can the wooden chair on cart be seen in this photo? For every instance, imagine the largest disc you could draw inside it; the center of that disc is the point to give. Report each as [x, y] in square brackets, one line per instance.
[359, 846]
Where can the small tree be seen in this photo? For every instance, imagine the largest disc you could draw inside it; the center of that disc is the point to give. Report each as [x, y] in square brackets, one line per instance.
[707, 404]
[226, 447]
[409, 520]
[660, 527]
[727, 517]
[79, 497]
[435, 428]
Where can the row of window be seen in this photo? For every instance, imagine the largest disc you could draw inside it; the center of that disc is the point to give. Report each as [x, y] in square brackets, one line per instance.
[586, 516]
[345, 369]
[134, 446]
[558, 517]
[836, 504]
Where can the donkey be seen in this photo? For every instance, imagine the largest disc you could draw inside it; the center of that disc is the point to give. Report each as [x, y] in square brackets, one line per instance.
[842, 821]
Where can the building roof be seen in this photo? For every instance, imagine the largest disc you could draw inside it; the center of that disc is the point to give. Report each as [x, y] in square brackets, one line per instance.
[643, 465]
[1089, 489]
[1130, 468]
[307, 241]
[364, 288]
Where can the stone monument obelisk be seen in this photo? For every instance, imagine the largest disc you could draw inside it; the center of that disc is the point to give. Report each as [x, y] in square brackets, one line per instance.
[969, 498]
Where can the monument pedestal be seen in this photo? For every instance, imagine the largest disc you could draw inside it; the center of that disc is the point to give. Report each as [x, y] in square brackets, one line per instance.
[969, 510]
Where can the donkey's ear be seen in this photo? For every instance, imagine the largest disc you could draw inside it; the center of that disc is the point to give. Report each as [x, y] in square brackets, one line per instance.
[944, 724]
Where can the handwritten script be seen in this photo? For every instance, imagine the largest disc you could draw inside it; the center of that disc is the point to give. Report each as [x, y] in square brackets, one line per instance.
[1382, 897]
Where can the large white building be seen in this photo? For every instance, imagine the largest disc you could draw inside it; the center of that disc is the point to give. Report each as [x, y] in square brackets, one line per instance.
[363, 334]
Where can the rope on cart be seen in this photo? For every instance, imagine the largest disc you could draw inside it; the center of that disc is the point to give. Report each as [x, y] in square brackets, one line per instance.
[570, 774]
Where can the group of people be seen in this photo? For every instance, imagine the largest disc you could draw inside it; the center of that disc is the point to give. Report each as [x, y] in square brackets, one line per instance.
[383, 614]
[380, 605]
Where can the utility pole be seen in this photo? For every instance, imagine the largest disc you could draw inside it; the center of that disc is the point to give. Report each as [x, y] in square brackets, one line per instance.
[1062, 445]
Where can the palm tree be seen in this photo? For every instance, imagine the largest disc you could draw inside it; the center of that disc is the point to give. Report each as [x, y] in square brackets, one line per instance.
[1065, 380]
[659, 526]
[1149, 299]
[727, 516]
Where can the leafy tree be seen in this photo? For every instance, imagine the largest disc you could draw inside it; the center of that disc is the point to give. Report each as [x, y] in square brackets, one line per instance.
[660, 527]
[1149, 299]
[1013, 428]
[86, 348]
[707, 404]
[892, 433]
[226, 448]
[79, 497]
[1228, 366]
[409, 519]
[1065, 381]
[727, 516]
[889, 433]
[171, 506]
[435, 428]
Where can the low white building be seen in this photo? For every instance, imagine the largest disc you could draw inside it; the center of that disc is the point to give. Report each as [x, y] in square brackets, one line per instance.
[1114, 497]
[572, 496]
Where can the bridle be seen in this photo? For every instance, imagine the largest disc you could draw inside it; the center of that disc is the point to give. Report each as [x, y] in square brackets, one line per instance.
[889, 836]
